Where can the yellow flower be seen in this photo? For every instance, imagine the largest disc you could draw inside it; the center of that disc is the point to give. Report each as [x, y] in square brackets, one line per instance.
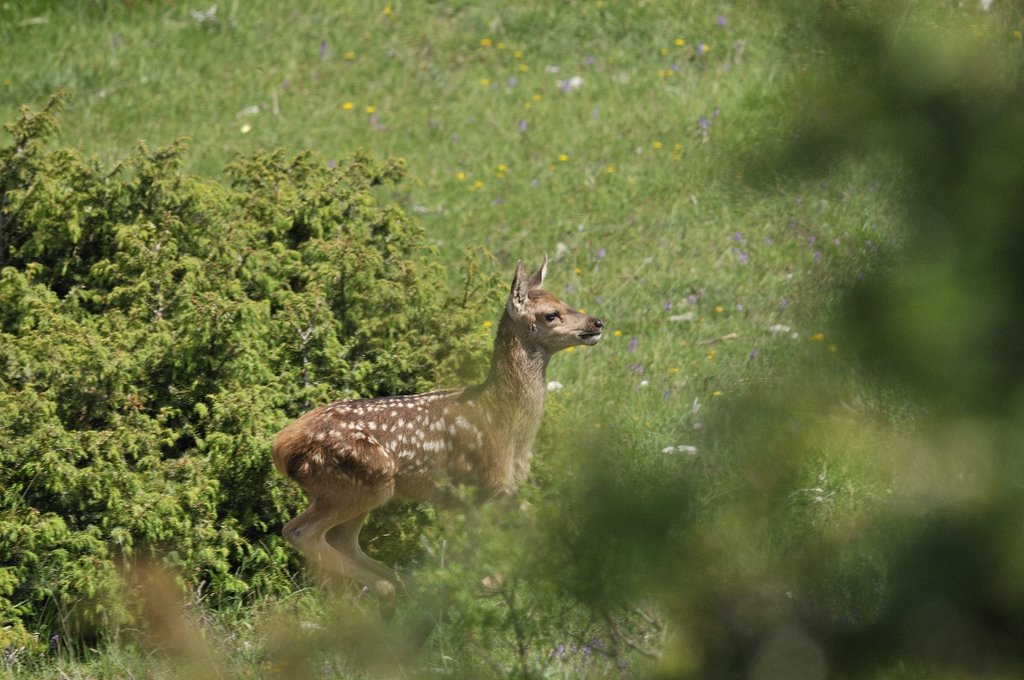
[712, 354]
[461, 176]
[537, 97]
[524, 68]
[485, 42]
[246, 129]
[348, 106]
[657, 145]
[673, 370]
[501, 46]
[518, 54]
[582, 311]
[387, 10]
[719, 309]
[350, 55]
[564, 157]
[570, 349]
[487, 324]
[818, 337]
[502, 167]
[716, 393]
[485, 81]
[833, 348]
[664, 51]
[617, 333]
[371, 109]
[476, 185]
[680, 42]
[578, 270]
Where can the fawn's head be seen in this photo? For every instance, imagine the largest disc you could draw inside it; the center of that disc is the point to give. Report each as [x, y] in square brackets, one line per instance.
[541, 319]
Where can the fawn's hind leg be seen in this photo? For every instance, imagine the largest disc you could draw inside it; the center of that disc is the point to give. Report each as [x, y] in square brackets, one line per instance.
[346, 511]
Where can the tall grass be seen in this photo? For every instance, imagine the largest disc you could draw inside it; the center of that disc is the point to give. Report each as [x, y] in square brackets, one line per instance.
[726, 421]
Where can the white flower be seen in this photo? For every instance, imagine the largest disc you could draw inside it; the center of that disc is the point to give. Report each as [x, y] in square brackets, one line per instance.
[778, 328]
[681, 448]
[554, 386]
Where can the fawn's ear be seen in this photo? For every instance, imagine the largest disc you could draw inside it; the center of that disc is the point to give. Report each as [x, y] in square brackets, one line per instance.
[538, 276]
[518, 295]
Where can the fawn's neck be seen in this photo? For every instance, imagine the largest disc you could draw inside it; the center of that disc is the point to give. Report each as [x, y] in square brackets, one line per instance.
[517, 376]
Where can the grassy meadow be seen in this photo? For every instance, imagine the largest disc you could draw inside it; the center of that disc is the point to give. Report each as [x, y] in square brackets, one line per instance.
[725, 486]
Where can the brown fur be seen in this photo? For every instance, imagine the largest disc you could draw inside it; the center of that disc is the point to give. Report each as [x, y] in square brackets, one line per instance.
[353, 456]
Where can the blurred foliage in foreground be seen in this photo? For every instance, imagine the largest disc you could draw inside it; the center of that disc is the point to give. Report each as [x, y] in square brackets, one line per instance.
[156, 329]
[841, 541]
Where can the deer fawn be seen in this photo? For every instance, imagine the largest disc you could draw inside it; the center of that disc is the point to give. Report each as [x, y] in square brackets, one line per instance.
[353, 456]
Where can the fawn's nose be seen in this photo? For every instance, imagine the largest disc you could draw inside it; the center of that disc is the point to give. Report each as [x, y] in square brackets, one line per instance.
[598, 324]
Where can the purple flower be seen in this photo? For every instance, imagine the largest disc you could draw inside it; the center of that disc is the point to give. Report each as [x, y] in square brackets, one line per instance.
[323, 49]
[522, 125]
[705, 124]
[702, 48]
[569, 288]
[767, 240]
[692, 298]
[664, 395]
[637, 368]
[721, 20]
[498, 200]
[667, 305]
[817, 256]
[754, 353]
[512, 81]
[783, 303]
[632, 344]
[738, 237]
[601, 253]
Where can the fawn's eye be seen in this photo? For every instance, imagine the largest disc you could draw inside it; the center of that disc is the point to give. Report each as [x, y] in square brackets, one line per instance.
[551, 316]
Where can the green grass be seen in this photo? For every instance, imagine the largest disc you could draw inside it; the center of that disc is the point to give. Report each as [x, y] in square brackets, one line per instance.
[716, 284]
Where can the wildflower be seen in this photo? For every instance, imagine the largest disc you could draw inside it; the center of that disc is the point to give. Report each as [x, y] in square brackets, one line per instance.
[719, 309]
[778, 328]
[712, 354]
[717, 393]
[500, 45]
[348, 106]
[563, 157]
[633, 342]
[461, 176]
[667, 305]
[574, 83]
[485, 42]
[578, 270]
[680, 42]
[601, 253]
[681, 448]
[617, 333]
[537, 97]
[610, 169]
[323, 50]
[754, 353]
[817, 337]
[657, 144]
[478, 184]
[703, 48]
[518, 54]
[485, 81]
[704, 123]
[349, 56]
[833, 347]
[371, 109]
[487, 324]
[523, 68]
[246, 129]
[554, 386]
